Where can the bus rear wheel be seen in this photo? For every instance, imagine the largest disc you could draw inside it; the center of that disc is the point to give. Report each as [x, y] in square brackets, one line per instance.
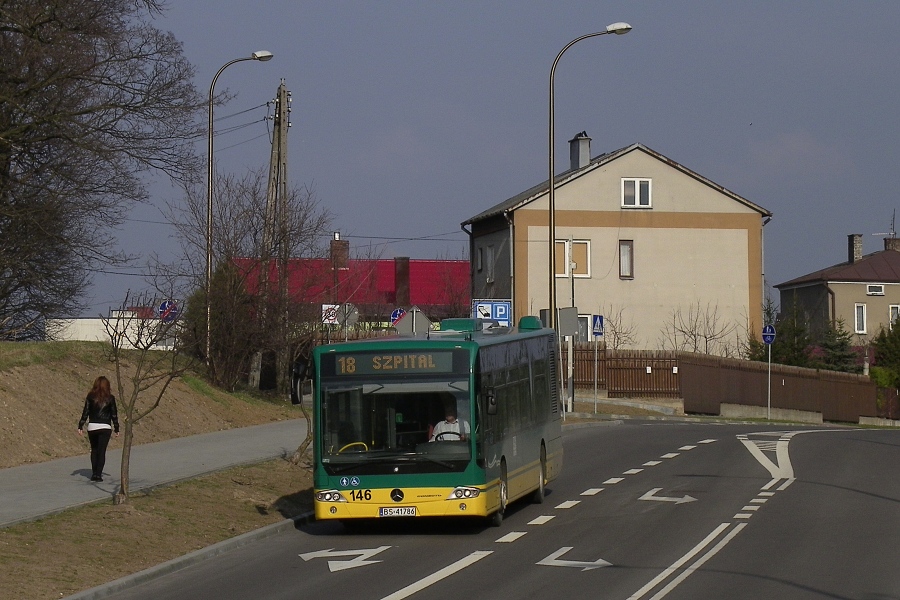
[497, 517]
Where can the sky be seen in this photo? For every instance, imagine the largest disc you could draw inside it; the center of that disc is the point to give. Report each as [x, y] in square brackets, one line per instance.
[410, 117]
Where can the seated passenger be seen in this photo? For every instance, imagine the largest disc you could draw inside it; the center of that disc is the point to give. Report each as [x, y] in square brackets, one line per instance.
[451, 428]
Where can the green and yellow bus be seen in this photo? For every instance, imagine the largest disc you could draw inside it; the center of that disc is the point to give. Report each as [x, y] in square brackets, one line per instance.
[385, 440]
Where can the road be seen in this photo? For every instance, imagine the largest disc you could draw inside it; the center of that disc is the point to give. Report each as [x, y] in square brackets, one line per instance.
[643, 510]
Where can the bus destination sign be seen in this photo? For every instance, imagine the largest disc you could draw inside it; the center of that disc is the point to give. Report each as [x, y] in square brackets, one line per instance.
[393, 363]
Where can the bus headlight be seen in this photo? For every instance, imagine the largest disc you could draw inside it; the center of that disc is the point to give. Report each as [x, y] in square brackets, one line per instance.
[330, 496]
[464, 492]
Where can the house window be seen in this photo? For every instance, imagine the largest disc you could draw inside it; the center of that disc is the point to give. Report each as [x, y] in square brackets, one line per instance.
[573, 258]
[859, 321]
[875, 290]
[479, 260]
[636, 193]
[895, 312]
[626, 259]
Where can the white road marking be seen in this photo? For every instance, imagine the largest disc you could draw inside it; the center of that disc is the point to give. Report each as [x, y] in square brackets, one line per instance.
[613, 480]
[750, 508]
[447, 571]
[651, 495]
[785, 485]
[680, 562]
[652, 463]
[632, 471]
[687, 572]
[541, 520]
[707, 441]
[687, 447]
[767, 494]
[591, 492]
[554, 561]
[759, 500]
[569, 504]
[670, 455]
[360, 560]
[781, 469]
[743, 515]
[510, 537]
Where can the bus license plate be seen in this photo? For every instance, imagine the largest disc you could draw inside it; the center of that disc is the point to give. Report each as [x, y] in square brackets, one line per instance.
[397, 511]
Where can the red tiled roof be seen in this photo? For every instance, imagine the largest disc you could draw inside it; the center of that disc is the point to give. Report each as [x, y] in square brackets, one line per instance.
[431, 282]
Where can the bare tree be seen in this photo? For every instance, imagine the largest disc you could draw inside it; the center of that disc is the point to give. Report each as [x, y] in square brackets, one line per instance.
[251, 310]
[699, 329]
[91, 96]
[147, 358]
[618, 328]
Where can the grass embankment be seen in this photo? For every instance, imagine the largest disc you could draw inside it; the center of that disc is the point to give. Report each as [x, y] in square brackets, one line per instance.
[42, 389]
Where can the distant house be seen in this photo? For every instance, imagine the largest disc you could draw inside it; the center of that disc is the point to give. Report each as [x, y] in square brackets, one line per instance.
[639, 238]
[864, 291]
[376, 287]
[93, 329]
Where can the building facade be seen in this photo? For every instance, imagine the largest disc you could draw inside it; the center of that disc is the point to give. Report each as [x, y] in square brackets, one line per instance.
[863, 292]
[639, 239]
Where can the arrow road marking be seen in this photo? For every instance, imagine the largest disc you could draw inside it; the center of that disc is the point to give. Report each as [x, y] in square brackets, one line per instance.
[651, 496]
[553, 561]
[340, 565]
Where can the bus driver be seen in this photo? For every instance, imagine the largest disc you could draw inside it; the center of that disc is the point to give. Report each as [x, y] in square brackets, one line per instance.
[451, 428]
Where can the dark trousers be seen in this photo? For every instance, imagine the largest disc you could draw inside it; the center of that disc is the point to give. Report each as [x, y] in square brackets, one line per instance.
[99, 441]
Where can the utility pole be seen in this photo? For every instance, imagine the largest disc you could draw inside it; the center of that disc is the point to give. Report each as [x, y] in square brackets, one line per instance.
[275, 245]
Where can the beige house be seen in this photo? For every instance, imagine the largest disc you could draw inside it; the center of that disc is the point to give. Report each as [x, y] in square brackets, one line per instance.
[640, 239]
[864, 292]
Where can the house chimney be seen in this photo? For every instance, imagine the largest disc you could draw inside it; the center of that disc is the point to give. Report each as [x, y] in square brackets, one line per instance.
[892, 243]
[854, 247]
[579, 151]
[401, 281]
[340, 252]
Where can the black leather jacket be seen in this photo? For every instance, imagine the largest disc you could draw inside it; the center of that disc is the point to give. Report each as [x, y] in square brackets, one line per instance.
[102, 414]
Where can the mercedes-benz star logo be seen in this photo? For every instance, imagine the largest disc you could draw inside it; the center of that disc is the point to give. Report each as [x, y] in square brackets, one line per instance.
[397, 495]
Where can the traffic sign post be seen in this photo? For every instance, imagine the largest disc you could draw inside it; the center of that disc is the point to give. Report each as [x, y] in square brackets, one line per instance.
[768, 335]
[597, 329]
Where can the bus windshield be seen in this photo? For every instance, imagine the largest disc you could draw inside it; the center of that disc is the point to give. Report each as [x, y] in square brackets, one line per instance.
[375, 426]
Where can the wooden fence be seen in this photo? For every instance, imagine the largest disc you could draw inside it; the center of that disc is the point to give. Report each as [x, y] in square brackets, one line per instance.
[706, 382]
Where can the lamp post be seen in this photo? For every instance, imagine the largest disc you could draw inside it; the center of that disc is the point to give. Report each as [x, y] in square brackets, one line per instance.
[260, 55]
[618, 29]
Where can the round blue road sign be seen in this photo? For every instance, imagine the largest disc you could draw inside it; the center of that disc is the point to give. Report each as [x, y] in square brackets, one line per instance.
[167, 311]
[768, 334]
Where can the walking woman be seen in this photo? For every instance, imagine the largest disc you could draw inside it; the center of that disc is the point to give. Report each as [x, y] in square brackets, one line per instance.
[101, 416]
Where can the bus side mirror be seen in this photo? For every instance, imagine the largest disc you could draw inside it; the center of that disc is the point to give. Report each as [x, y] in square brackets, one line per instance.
[491, 401]
[298, 374]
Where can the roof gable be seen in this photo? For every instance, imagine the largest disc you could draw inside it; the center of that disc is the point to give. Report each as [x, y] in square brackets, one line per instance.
[531, 194]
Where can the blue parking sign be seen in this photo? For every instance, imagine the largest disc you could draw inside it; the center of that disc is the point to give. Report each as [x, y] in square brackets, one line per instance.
[500, 311]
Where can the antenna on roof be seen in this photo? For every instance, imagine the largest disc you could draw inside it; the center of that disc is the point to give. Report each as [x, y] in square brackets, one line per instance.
[892, 233]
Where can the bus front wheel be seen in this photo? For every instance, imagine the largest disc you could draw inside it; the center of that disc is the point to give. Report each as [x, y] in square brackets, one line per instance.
[497, 517]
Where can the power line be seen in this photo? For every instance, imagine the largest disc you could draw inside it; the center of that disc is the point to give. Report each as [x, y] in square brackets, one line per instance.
[217, 119]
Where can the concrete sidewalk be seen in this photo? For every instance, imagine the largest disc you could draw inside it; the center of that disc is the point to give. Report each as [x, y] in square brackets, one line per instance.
[33, 491]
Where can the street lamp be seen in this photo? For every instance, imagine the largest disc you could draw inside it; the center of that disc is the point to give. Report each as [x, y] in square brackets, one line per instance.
[618, 29]
[260, 55]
